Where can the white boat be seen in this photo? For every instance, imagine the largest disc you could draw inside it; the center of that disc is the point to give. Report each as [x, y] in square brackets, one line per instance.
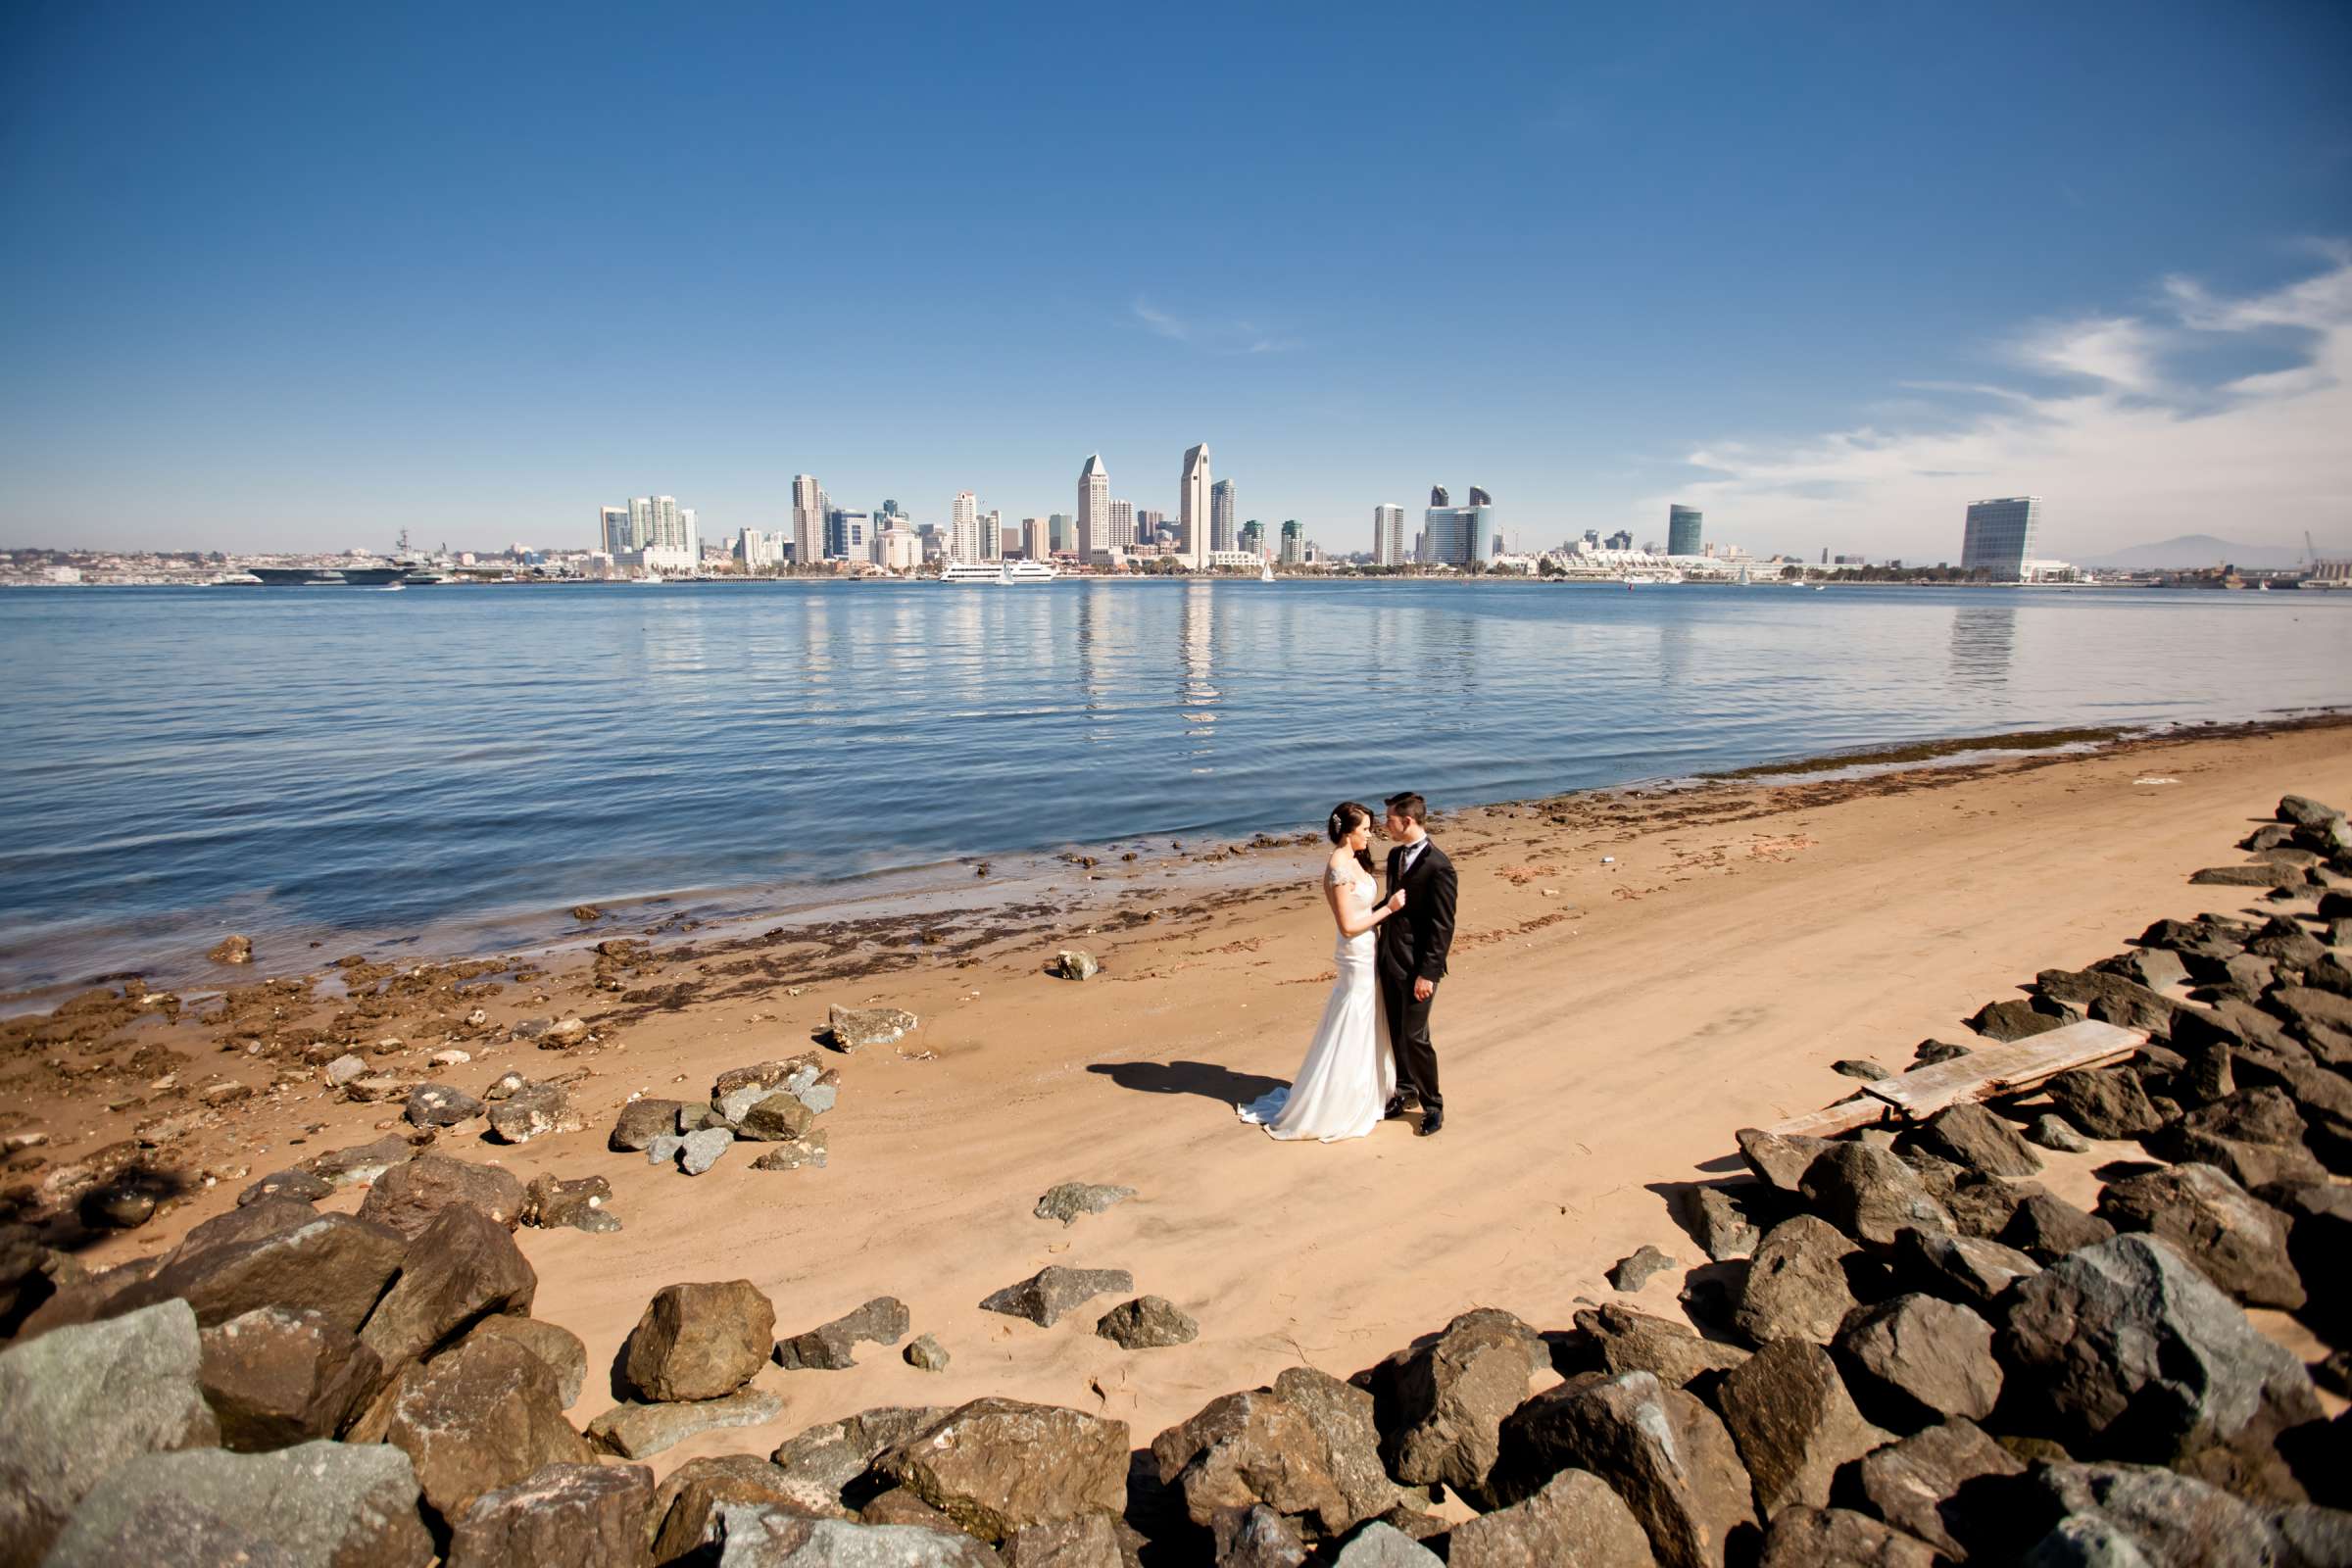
[998, 575]
[392, 587]
[1265, 572]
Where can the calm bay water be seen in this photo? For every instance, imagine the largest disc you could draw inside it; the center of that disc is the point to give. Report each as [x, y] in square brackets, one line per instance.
[316, 762]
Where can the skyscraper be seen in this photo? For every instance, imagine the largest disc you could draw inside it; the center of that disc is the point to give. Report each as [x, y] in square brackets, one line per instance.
[1293, 543]
[992, 535]
[1059, 530]
[1685, 526]
[1193, 508]
[807, 520]
[1122, 522]
[1387, 535]
[1456, 536]
[1095, 538]
[1037, 539]
[1146, 526]
[849, 535]
[964, 527]
[613, 530]
[2000, 536]
[1220, 515]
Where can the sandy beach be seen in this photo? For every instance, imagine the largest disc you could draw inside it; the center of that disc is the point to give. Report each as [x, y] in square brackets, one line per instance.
[1635, 978]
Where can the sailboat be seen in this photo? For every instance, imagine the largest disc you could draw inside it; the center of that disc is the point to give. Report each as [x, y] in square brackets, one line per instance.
[1265, 567]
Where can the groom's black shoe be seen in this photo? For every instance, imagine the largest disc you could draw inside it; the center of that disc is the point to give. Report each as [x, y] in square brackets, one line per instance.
[1433, 1122]
[1395, 1108]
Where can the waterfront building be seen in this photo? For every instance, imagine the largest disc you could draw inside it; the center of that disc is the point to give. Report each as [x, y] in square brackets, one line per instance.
[1293, 544]
[1684, 527]
[613, 530]
[758, 549]
[1999, 538]
[992, 535]
[807, 520]
[1220, 515]
[1122, 523]
[1456, 536]
[1148, 526]
[1622, 539]
[650, 533]
[1252, 538]
[1096, 541]
[964, 527]
[849, 535]
[1008, 542]
[1387, 535]
[1192, 506]
[1036, 538]
[899, 549]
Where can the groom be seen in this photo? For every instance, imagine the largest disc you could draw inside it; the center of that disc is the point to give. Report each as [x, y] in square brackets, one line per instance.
[1412, 956]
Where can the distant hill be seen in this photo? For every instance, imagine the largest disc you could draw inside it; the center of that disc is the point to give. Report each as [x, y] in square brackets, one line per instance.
[2204, 549]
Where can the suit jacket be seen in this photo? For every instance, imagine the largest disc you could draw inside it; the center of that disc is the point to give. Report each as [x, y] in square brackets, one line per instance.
[1415, 945]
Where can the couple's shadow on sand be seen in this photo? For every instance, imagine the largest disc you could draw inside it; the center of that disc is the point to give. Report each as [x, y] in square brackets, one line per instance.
[1204, 1078]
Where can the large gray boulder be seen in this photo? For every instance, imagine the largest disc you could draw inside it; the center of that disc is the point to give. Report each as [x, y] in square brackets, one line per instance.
[1971, 1136]
[1778, 1160]
[2237, 1240]
[1442, 1406]
[1796, 1284]
[2175, 1521]
[561, 1517]
[276, 1376]
[767, 1536]
[2103, 1102]
[641, 1431]
[462, 1268]
[1917, 1359]
[315, 1505]
[2108, 998]
[641, 1121]
[2130, 1352]
[1967, 1269]
[831, 1347]
[1661, 1450]
[78, 1401]
[558, 1348]
[1576, 1519]
[996, 1465]
[1869, 1193]
[1793, 1423]
[1380, 1545]
[824, 1458]
[1951, 1486]
[685, 1509]
[1306, 1448]
[699, 1341]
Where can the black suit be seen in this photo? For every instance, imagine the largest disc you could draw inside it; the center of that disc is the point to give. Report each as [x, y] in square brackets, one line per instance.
[1413, 946]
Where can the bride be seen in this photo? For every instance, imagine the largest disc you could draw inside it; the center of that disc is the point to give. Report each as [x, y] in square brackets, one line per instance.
[1342, 1087]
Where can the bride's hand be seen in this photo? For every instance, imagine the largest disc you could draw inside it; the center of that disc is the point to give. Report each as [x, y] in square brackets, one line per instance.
[1397, 901]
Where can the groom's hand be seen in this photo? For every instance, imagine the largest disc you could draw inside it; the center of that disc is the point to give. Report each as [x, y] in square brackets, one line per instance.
[1423, 990]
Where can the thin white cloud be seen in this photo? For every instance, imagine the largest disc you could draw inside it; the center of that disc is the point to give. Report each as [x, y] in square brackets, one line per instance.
[2131, 449]
[1210, 337]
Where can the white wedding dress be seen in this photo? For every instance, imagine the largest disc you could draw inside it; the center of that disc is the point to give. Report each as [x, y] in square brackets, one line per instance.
[1342, 1087]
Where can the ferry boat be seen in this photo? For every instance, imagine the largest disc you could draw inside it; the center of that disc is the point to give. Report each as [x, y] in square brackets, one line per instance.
[1003, 574]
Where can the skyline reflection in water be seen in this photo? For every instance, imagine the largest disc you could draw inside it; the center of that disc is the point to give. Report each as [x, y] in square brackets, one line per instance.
[330, 760]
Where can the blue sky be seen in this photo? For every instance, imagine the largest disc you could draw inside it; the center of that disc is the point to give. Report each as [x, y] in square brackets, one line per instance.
[296, 276]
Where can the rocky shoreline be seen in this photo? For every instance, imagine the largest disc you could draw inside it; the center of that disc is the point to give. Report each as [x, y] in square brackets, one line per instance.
[1902, 1348]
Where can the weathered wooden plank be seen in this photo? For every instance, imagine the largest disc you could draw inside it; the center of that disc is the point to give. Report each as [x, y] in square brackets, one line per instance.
[1989, 1072]
[2009, 1068]
[1845, 1116]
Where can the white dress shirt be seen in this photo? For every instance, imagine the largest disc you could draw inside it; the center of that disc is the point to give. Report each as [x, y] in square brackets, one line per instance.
[1412, 853]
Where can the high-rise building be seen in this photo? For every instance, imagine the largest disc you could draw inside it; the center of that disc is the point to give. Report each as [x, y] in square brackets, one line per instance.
[964, 527]
[1193, 508]
[1387, 535]
[1622, 539]
[652, 532]
[1061, 529]
[992, 535]
[759, 549]
[2000, 536]
[1148, 526]
[1036, 538]
[899, 549]
[1293, 543]
[1220, 514]
[1685, 526]
[1253, 537]
[1456, 536]
[1122, 522]
[613, 530]
[1096, 541]
[807, 520]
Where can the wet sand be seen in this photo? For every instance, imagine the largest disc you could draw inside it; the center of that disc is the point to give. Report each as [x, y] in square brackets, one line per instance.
[1636, 976]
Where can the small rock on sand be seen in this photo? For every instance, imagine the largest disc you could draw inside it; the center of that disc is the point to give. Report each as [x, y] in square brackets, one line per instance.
[926, 1355]
[1631, 1273]
[1066, 1201]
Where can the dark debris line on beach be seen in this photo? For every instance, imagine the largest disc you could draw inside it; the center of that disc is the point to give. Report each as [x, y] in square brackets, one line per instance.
[1908, 1350]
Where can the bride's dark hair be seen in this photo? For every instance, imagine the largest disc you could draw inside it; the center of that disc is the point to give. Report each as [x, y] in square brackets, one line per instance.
[1341, 822]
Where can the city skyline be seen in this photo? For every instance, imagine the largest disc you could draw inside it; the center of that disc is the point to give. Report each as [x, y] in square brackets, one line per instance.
[263, 318]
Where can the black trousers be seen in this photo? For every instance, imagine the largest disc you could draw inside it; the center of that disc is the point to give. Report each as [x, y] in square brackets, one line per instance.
[1408, 1036]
